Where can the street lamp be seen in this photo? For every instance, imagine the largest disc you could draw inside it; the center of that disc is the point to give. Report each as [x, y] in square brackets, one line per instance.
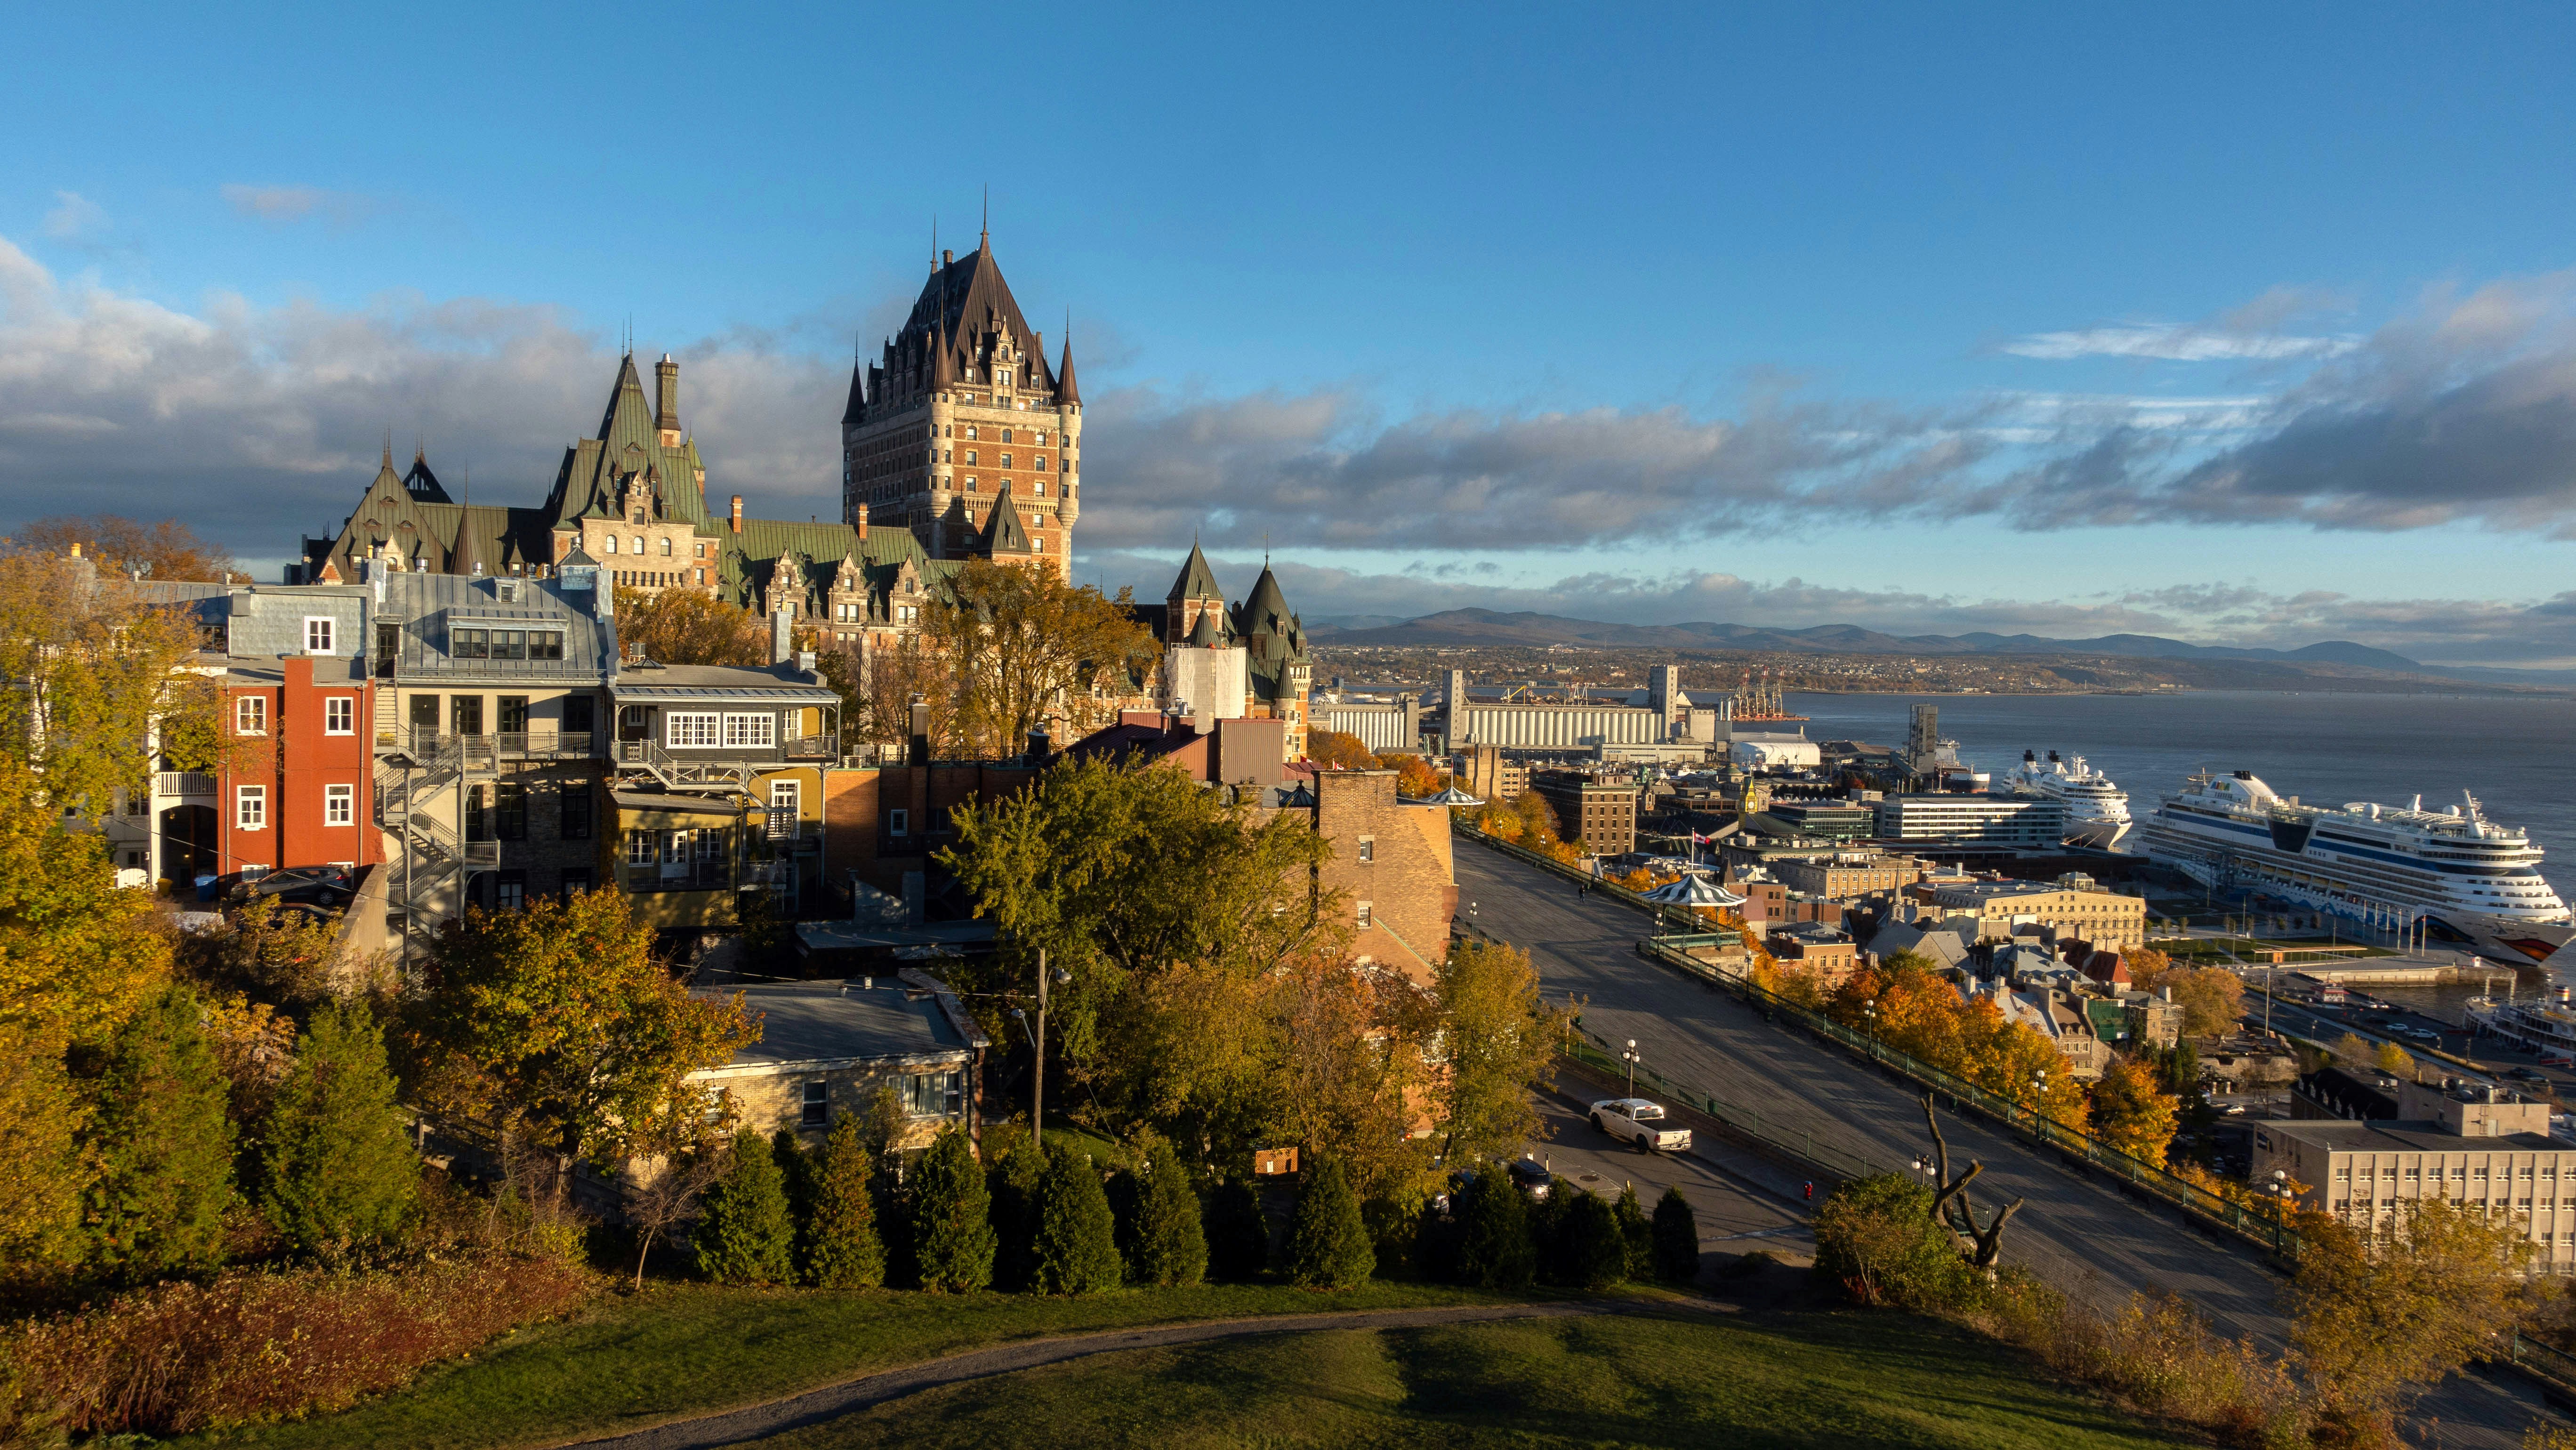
[2039, 1100]
[1869, 1015]
[1630, 1057]
[2279, 1189]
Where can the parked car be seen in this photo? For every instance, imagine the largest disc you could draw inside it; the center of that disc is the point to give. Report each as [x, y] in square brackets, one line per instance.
[1641, 1122]
[1531, 1177]
[301, 885]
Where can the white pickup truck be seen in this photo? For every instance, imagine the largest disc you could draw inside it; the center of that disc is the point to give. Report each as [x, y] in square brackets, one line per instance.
[1640, 1122]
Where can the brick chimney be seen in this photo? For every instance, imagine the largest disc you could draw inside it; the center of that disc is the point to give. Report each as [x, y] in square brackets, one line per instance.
[666, 375]
[737, 513]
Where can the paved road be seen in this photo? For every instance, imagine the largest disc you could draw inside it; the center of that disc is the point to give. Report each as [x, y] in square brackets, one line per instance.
[1739, 1203]
[2081, 1235]
[733, 1427]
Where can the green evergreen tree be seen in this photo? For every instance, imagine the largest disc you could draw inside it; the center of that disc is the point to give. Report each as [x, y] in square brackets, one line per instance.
[1676, 1238]
[1591, 1252]
[1012, 1183]
[1328, 1241]
[1637, 1232]
[1495, 1250]
[1238, 1238]
[796, 1181]
[1077, 1240]
[951, 1217]
[842, 1250]
[337, 1167]
[163, 1143]
[1169, 1242]
[744, 1234]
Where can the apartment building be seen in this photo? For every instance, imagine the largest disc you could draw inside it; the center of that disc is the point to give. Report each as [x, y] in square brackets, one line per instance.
[2001, 819]
[1599, 813]
[2073, 905]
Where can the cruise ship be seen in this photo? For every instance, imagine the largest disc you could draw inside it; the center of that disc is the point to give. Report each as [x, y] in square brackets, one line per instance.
[2469, 881]
[2097, 810]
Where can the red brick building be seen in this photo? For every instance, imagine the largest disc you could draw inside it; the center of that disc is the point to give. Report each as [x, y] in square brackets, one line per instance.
[298, 788]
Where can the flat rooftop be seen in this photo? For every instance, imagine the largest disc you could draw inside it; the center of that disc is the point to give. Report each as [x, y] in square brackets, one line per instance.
[825, 1021]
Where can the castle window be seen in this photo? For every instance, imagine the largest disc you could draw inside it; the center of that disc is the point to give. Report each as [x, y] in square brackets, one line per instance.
[666, 548]
[970, 455]
[1006, 435]
[639, 543]
[970, 478]
[1002, 379]
[1038, 437]
[1006, 460]
[1040, 463]
[608, 545]
[1040, 486]
[970, 430]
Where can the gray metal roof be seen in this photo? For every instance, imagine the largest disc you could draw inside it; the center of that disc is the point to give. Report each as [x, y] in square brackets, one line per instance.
[425, 604]
[829, 1021]
[784, 683]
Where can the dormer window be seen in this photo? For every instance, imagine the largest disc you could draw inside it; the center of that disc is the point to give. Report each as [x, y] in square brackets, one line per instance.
[1002, 380]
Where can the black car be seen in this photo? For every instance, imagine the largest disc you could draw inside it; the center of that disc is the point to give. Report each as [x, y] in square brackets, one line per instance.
[297, 885]
[1530, 1177]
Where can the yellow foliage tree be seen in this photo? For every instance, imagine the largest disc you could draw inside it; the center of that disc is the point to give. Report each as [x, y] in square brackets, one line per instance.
[2132, 1114]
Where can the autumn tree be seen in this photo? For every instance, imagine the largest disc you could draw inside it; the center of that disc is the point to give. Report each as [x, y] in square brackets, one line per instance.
[1413, 775]
[95, 689]
[892, 678]
[681, 626]
[1025, 647]
[2373, 1324]
[561, 1017]
[2131, 1113]
[1335, 750]
[1169, 906]
[1498, 1037]
[41, 1115]
[168, 550]
[78, 956]
[2394, 1060]
[1352, 1072]
[2212, 1000]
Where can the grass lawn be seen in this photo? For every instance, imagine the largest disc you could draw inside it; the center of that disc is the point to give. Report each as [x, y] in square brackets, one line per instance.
[678, 1349]
[1801, 1378]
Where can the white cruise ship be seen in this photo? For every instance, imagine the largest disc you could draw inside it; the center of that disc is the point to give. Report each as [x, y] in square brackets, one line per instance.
[2471, 882]
[2097, 810]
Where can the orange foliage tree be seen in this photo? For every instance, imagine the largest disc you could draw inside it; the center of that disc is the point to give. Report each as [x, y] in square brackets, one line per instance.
[1904, 1003]
[1334, 750]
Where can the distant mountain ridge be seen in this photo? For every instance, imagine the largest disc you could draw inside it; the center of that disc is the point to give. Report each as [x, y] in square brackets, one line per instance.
[1495, 627]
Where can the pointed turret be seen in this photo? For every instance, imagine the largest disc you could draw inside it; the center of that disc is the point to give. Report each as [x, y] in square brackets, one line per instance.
[1197, 580]
[857, 411]
[1265, 609]
[1005, 536]
[1206, 635]
[1066, 391]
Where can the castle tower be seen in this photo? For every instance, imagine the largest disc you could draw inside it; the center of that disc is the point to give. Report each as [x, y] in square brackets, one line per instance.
[959, 410]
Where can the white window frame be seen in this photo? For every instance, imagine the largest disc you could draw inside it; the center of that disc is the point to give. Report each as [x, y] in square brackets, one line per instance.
[339, 805]
[898, 822]
[250, 715]
[319, 634]
[750, 732]
[644, 846]
[681, 729]
[1368, 850]
[608, 543]
[1364, 909]
[339, 714]
[250, 808]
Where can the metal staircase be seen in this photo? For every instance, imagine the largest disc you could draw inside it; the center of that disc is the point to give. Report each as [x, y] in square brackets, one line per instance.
[645, 758]
[428, 884]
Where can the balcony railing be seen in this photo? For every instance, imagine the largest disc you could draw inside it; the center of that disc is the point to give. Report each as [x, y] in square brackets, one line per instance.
[182, 783]
[680, 876]
[483, 749]
[811, 747]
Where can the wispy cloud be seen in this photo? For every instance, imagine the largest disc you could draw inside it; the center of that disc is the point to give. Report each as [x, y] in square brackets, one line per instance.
[282, 204]
[2172, 342]
[75, 218]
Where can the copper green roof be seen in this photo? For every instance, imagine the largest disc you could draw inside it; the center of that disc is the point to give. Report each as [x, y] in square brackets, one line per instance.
[1197, 580]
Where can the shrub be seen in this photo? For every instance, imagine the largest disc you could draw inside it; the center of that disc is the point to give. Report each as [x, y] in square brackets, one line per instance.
[1169, 1243]
[1494, 1245]
[336, 1167]
[796, 1181]
[163, 1145]
[1076, 1250]
[1591, 1250]
[952, 1234]
[1676, 1231]
[250, 1347]
[1875, 1237]
[743, 1234]
[1012, 1185]
[1635, 1233]
[1238, 1238]
[1328, 1242]
[842, 1250]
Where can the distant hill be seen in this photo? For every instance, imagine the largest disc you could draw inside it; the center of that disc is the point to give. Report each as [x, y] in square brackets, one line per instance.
[1495, 627]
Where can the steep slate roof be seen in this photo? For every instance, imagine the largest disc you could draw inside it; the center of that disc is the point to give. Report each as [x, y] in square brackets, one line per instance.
[1065, 390]
[1272, 635]
[961, 304]
[749, 560]
[594, 470]
[1003, 531]
[412, 519]
[1197, 580]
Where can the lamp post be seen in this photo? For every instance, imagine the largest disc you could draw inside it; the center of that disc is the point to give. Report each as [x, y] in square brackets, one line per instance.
[1630, 1057]
[1869, 1016]
[2279, 1189]
[2039, 1099]
[1037, 1043]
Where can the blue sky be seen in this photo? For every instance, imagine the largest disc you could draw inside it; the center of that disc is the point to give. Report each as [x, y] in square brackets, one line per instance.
[2243, 328]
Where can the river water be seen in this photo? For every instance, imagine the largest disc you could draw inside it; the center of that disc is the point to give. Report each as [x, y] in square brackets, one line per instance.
[2516, 754]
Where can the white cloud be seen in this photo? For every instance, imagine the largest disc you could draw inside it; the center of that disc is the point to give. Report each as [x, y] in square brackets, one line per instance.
[2172, 342]
[75, 218]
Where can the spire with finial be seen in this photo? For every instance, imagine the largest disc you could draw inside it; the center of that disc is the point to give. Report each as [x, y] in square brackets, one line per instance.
[984, 241]
[389, 448]
[1066, 390]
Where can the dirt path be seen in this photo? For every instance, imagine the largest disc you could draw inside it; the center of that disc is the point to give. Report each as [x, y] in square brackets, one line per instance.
[732, 1427]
